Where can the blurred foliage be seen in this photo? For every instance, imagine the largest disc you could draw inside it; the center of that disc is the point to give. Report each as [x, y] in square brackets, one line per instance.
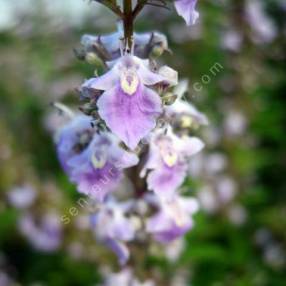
[37, 67]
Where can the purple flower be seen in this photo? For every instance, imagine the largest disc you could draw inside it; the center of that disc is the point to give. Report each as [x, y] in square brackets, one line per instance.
[128, 106]
[97, 171]
[173, 219]
[113, 228]
[72, 139]
[186, 9]
[260, 23]
[182, 112]
[167, 162]
[45, 234]
[94, 161]
[22, 197]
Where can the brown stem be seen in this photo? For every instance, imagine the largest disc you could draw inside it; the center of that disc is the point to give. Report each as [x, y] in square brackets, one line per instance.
[140, 5]
[128, 24]
[112, 6]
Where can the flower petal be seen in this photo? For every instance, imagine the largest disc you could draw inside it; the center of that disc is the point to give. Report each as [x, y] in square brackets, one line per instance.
[164, 228]
[186, 9]
[120, 249]
[190, 205]
[165, 180]
[126, 160]
[123, 230]
[153, 160]
[190, 145]
[158, 223]
[131, 118]
[106, 81]
[68, 137]
[171, 234]
[148, 77]
[98, 183]
[170, 75]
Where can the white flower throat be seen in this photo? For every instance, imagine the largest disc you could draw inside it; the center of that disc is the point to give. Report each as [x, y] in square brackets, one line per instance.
[99, 159]
[169, 155]
[129, 81]
[176, 212]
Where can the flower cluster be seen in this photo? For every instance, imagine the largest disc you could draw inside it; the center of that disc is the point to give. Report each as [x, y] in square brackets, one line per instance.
[43, 230]
[130, 150]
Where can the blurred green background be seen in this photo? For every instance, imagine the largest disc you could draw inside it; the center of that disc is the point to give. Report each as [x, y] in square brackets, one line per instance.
[240, 233]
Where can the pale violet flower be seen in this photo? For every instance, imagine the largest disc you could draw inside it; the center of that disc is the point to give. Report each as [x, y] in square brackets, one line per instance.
[128, 105]
[187, 110]
[92, 159]
[182, 113]
[208, 199]
[43, 233]
[187, 9]
[22, 197]
[235, 123]
[73, 138]
[226, 189]
[173, 219]
[263, 27]
[232, 40]
[113, 228]
[167, 161]
[97, 171]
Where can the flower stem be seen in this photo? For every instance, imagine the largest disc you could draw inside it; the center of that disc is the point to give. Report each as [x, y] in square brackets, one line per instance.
[111, 4]
[140, 5]
[128, 22]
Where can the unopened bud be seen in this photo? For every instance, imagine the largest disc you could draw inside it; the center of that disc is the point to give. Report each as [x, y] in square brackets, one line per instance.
[93, 59]
[157, 51]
